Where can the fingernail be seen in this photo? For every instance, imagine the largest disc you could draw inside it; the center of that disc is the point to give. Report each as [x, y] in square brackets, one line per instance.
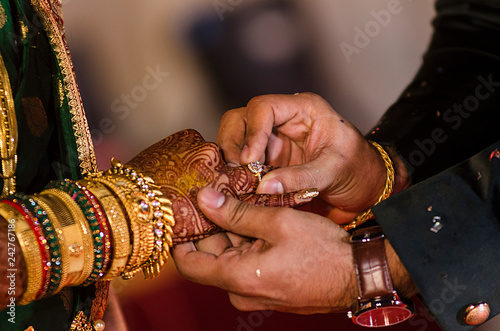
[271, 186]
[212, 198]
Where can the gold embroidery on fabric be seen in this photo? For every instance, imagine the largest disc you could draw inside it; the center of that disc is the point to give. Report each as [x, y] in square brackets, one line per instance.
[24, 29]
[80, 323]
[3, 16]
[8, 133]
[61, 92]
[49, 13]
[35, 115]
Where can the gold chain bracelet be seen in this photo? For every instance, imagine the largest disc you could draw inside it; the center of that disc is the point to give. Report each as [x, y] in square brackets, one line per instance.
[389, 185]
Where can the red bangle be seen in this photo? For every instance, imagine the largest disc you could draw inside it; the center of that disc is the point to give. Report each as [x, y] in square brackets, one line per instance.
[42, 243]
[103, 225]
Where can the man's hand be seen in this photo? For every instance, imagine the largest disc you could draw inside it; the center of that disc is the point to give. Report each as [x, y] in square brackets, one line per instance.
[282, 259]
[313, 144]
[300, 263]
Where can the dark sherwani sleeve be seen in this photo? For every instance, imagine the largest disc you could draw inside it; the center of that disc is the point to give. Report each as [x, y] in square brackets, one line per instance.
[448, 114]
[455, 262]
[451, 110]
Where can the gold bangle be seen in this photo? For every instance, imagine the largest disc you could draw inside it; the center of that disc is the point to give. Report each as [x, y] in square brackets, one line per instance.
[81, 240]
[73, 237]
[31, 252]
[389, 185]
[142, 233]
[118, 224]
[155, 209]
[63, 243]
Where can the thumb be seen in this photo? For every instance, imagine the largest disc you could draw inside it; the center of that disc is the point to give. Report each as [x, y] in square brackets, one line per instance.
[294, 178]
[238, 216]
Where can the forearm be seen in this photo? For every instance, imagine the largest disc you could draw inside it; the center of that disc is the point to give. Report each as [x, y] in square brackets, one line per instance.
[402, 281]
[74, 233]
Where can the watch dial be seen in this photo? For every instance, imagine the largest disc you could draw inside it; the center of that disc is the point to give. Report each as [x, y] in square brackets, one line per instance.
[383, 316]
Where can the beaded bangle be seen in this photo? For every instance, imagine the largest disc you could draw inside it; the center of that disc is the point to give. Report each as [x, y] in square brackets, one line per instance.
[161, 215]
[119, 228]
[142, 233]
[63, 243]
[101, 238]
[389, 184]
[41, 242]
[103, 224]
[50, 235]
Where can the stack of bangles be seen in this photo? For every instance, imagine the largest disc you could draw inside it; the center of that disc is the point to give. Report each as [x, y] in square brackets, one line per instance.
[109, 224]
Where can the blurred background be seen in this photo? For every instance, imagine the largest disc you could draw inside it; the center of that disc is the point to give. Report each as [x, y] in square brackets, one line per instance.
[147, 69]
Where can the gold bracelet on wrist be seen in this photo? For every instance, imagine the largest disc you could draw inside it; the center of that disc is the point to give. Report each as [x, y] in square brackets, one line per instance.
[63, 241]
[119, 229]
[389, 185]
[141, 234]
[76, 237]
[81, 252]
[132, 202]
[151, 206]
[31, 252]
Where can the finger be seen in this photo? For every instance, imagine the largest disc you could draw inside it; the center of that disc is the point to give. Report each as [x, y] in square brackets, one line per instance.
[245, 178]
[263, 113]
[193, 265]
[295, 178]
[215, 244]
[336, 215]
[240, 217]
[293, 199]
[268, 111]
[237, 240]
[226, 271]
[231, 136]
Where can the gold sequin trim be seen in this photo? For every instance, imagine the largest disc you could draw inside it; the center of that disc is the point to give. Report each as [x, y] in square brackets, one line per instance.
[8, 133]
[3, 16]
[80, 323]
[24, 29]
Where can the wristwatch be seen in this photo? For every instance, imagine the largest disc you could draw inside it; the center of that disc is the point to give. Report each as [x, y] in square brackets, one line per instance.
[378, 303]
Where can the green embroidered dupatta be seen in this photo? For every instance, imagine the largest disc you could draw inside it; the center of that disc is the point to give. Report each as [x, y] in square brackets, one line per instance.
[53, 135]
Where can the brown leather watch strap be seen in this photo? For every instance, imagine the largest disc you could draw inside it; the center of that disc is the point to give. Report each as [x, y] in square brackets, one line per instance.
[372, 269]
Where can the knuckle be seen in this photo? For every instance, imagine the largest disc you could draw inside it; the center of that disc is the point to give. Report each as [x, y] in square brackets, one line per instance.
[255, 101]
[228, 115]
[238, 213]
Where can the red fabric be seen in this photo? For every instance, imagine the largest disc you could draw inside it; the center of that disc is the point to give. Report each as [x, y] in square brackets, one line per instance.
[180, 305]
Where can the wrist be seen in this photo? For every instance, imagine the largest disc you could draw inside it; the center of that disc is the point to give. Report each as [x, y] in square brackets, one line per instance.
[379, 303]
[402, 178]
[402, 281]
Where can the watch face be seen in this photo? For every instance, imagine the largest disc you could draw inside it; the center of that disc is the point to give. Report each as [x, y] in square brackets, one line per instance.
[382, 316]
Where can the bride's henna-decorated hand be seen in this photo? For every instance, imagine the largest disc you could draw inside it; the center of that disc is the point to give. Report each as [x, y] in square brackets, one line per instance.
[184, 162]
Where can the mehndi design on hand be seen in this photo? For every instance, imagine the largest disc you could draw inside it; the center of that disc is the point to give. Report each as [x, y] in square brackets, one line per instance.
[184, 162]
